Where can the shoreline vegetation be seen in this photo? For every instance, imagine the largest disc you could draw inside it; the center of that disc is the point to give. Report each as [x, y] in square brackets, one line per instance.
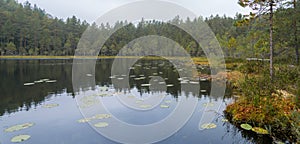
[272, 105]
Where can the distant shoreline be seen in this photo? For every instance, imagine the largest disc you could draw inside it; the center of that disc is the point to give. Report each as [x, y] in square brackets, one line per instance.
[88, 57]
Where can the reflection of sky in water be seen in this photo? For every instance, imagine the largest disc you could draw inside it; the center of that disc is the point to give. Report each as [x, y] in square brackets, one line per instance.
[59, 124]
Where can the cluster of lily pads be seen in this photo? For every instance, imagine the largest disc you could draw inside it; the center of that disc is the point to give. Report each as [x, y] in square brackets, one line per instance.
[40, 81]
[258, 130]
[19, 127]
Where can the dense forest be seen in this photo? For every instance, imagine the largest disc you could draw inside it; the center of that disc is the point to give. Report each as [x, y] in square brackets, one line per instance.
[29, 30]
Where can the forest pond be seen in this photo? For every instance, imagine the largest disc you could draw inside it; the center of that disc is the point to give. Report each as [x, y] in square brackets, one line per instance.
[38, 95]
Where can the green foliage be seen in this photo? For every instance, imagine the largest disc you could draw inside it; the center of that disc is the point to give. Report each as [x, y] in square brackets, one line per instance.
[10, 48]
[271, 104]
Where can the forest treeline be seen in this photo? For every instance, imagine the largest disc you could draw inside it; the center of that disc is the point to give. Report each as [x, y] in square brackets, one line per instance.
[26, 29]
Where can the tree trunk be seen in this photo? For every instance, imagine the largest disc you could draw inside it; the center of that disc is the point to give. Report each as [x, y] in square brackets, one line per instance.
[271, 41]
[295, 33]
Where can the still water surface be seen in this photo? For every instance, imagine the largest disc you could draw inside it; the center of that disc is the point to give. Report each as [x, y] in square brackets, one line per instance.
[59, 125]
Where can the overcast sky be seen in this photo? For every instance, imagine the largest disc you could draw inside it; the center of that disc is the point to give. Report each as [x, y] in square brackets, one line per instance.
[90, 10]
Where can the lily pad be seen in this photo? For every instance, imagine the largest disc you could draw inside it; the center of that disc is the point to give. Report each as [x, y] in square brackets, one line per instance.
[170, 85]
[104, 95]
[112, 77]
[194, 82]
[259, 130]
[88, 101]
[203, 79]
[164, 106]
[103, 88]
[84, 120]
[208, 126]
[224, 120]
[246, 126]
[101, 125]
[131, 97]
[145, 106]
[145, 85]
[19, 127]
[28, 84]
[101, 116]
[203, 91]
[208, 104]
[51, 81]
[139, 101]
[89, 75]
[97, 116]
[39, 81]
[50, 105]
[168, 101]
[20, 138]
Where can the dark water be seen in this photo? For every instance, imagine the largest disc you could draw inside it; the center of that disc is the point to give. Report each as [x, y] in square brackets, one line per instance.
[59, 125]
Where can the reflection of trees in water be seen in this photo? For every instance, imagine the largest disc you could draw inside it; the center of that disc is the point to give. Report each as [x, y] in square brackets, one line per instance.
[14, 73]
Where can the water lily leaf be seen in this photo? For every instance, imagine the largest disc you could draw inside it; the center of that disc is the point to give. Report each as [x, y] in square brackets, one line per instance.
[145, 85]
[28, 84]
[88, 101]
[89, 75]
[50, 105]
[145, 106]
[101, 125]
[101, 116]
[45, 80]
[19, 127]
[203, 79]
[131, 97]
[140, 78]
[103, 88]
[208, 104]
[194, 82]
[139, 101]
[84, 120]
[246, 126]
[164, 106]
[259, 130]
[51, 81]
[203, 91]
[168, 101]
[97, 116]
[104, 95]
[39, 81]
[112, 77]
[208, 126]
[20, 138]
[224, 120]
